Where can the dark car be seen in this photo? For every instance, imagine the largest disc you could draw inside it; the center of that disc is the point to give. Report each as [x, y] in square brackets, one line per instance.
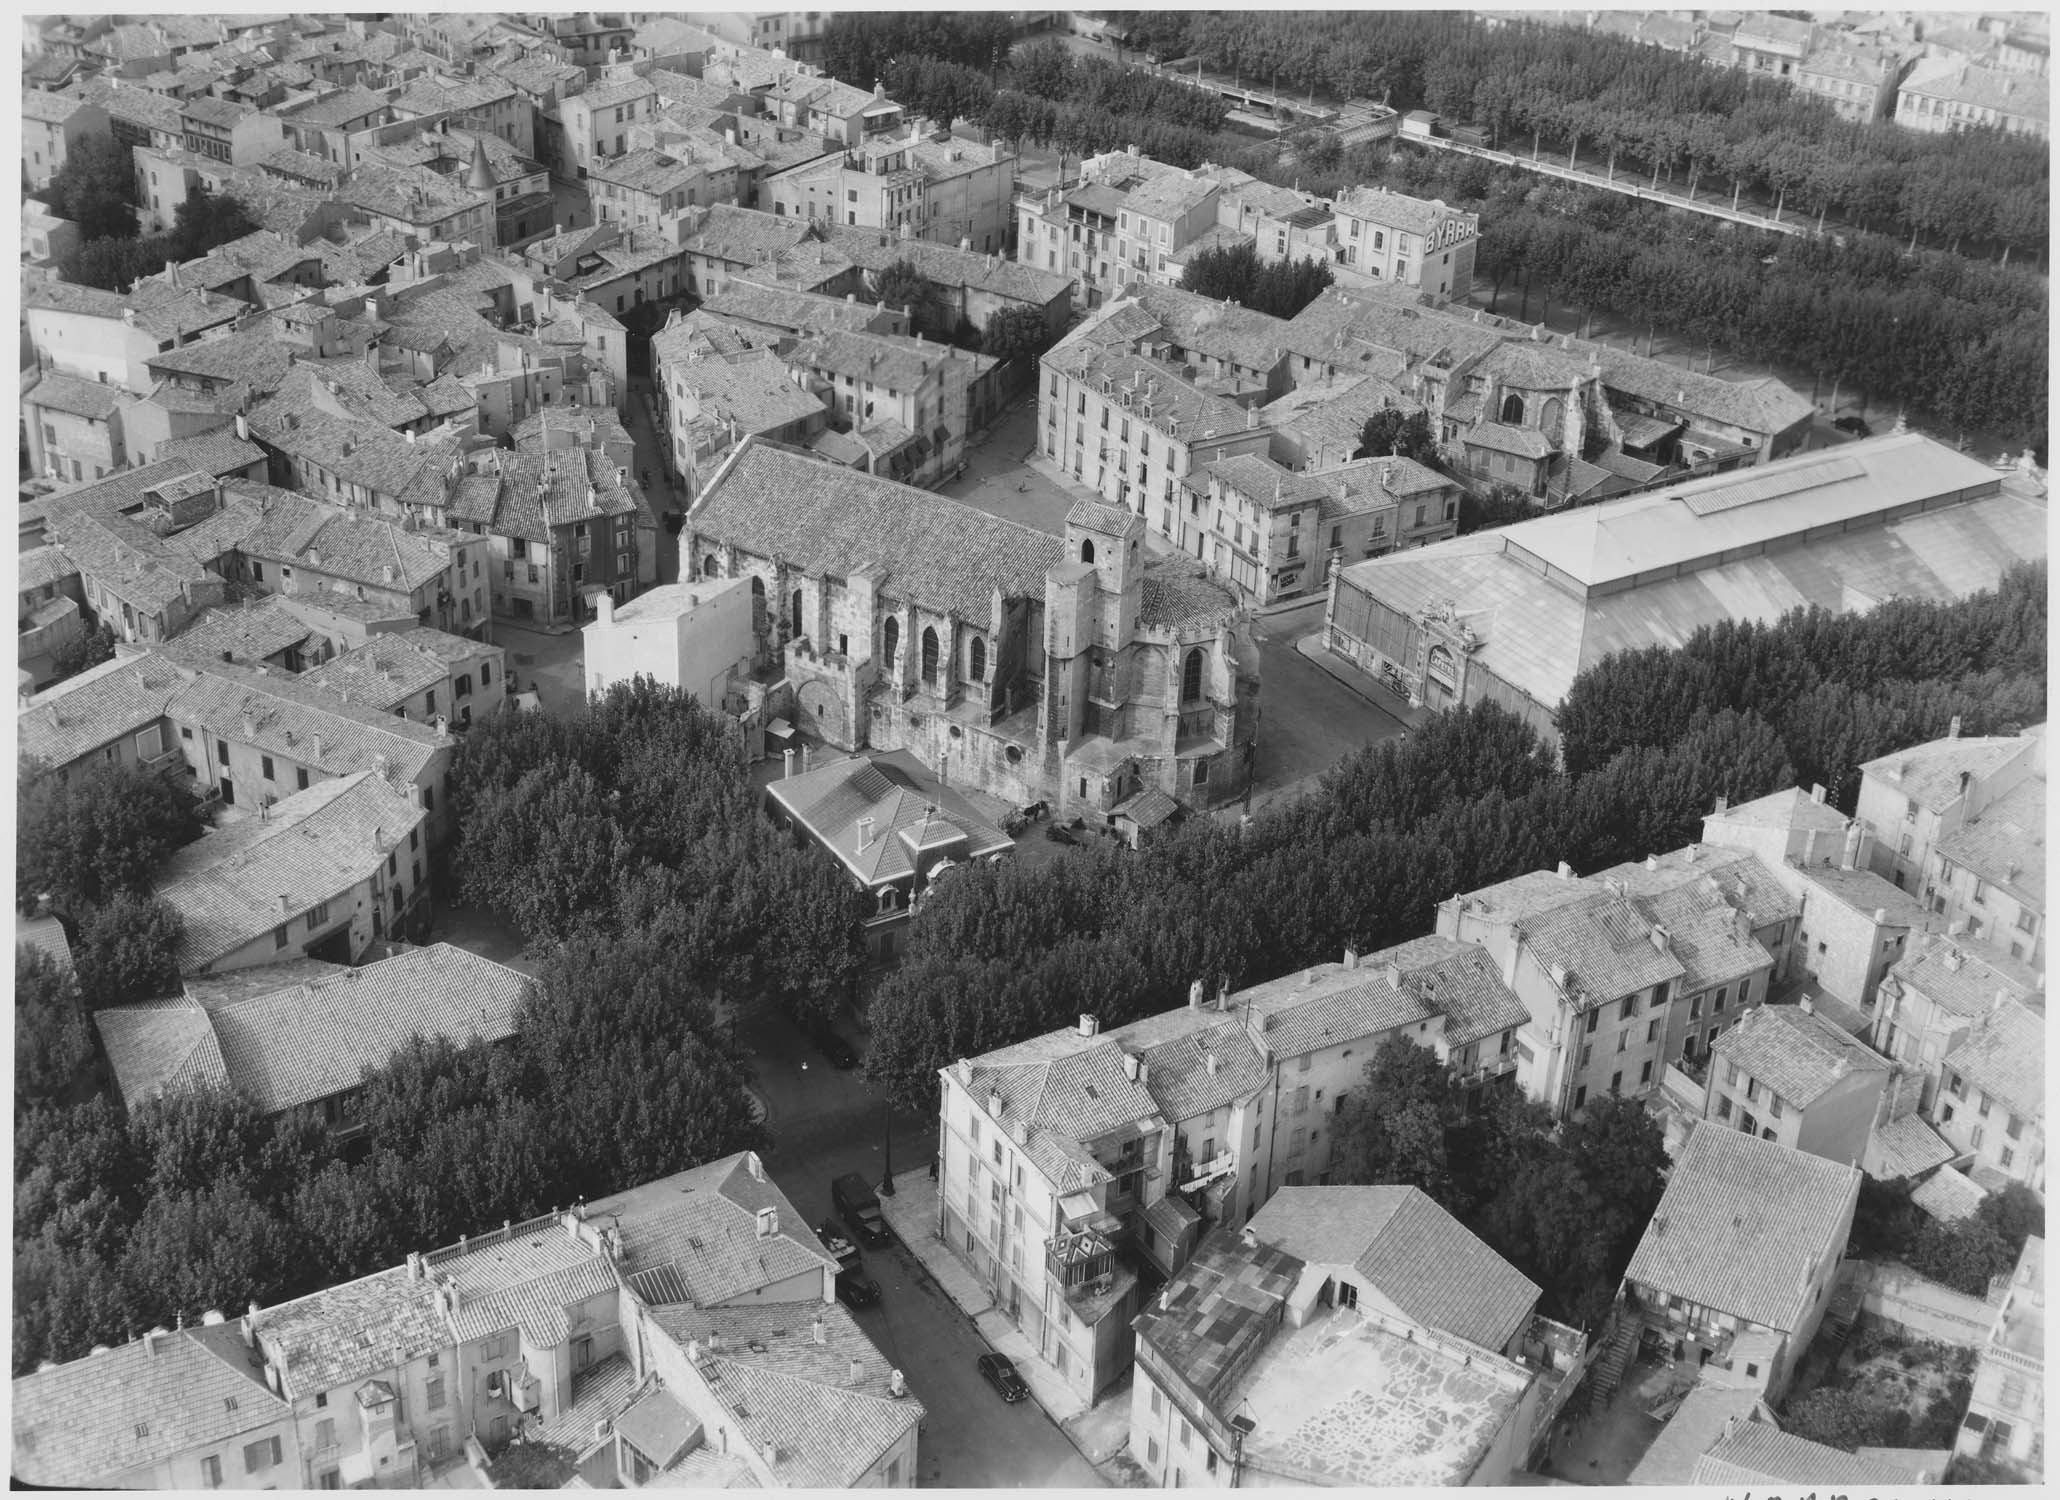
[835, 1048]
[832, 1236]
[859, 1207]
[1853, 425]
[996, 1370]
[855, 1288]
[1058, 833]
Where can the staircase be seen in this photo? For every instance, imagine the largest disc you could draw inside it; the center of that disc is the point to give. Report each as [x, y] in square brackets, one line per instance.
[1609, 1369]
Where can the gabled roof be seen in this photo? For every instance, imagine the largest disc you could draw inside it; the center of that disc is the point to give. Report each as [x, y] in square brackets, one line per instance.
[698, 1232]
[1929, 774]
[1798, 1055]
[274, 713]
[1743, 1226]
[1414, 1253]
[823, 518]
[96, 1422]
[262, 628]
[384, 673]
[2005, 843]
[2004, 1056]
[794, 1399]
[1962, 978]
[1064, 1090]
[160, 1048]
[229, 887]
[1606, 945]
[103, 703]
[350, 1333]
[1761, 1451]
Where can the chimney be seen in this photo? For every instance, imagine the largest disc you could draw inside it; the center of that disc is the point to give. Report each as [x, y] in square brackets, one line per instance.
[1194, 995]
[414, 1265]
[1817, 794]
[1212, 1064]
[1996, 1003]
[1652, 862]
[1351, 958]
[995, 1103]
[897, 1384]
[1807, 1005]
[153, 1341]
[1566, 871]
[1660, 938]
[754, 1166]
[865, 834]
[817, 1332]
[1089, 1026]
[1392, 972]
[1851, 854]
[1130, 1066]
[285, 904]
[807, 755]
[1723, 806]
[768, 1223]
[1953, 730]
[787, 760]
[857, 1371]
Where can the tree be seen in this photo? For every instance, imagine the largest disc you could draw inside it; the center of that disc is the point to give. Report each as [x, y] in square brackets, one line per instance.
[1224, 272]
[1390, 430]
[207, 219]
[1018, 333]
[95, 830]
[1847, 1419]
[1286, 286]
[127, 950]
[51, 1039]
[96, 189]
[82, 651]
[1393, 1130]
[1620, 1152]
[902, 284]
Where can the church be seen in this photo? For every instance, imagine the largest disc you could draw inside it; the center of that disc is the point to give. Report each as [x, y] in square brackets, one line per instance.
[1077, 670]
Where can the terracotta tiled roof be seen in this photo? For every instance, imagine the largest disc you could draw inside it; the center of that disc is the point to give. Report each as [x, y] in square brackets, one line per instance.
[103, 703]
[96, 1422]
[260, 629]
[793, 1398]
[1606, 945]
[822, 518]
[352, 1332]
[1906, 1147]
[287, 718]
[161, 1048]
[229, 887]
[1762, 1451]
[1799, 1056]
[1430, 1266]
[2004, 1056]
[906, 815]
[2005, 843]
[703, 1224]
[1743, 1225]
[1962, 978]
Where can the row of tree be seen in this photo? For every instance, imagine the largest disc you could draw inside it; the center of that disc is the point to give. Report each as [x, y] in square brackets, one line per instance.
[624, 840]
[1009, 951]
[1839, 688]
[1565, 1207]
[1234, 272]
[1670, 113]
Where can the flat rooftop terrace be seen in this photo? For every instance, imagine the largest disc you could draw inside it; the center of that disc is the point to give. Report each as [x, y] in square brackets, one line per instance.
[1342, 1401]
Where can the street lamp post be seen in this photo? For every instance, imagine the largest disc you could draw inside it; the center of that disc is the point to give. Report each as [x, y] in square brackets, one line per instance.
[887, 1150]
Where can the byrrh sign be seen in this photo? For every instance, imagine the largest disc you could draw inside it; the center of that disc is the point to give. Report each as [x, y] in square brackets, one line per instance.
[1456, 230]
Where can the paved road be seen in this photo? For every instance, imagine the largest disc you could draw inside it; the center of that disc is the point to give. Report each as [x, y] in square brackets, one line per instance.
[1307, 718]
[550, 665]
[650, 445]
[971, 1437]
[998, 481]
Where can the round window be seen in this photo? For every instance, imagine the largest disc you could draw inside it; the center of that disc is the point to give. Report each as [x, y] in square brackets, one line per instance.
[1013, 755]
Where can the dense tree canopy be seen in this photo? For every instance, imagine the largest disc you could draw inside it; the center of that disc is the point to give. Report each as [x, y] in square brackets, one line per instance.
[1390, 431]
[99, 828]
[1279, 288]
[96, 189]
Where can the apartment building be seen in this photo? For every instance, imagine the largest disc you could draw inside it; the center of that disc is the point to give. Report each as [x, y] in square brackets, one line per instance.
[1991, 1103]
[1913, 798]
[1737, 1265]
[1629, 971]
[1933, 996]
[1945, 93]
[73, 426]
[183, 1409]
[711, 402]
[1987, 878]
[52, 127]
[420, 674]
[1786, 1074]
[924, 180]
[1392, 237]
[923, 400]
[595, 123]
[306, 879]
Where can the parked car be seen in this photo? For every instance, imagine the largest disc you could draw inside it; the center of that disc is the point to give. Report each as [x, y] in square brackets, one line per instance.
[835, 1048]
[855, 1288]
[859, 1207]
[1853, 425]
[998, 1372]
[1058, 833]
[833, 1240]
